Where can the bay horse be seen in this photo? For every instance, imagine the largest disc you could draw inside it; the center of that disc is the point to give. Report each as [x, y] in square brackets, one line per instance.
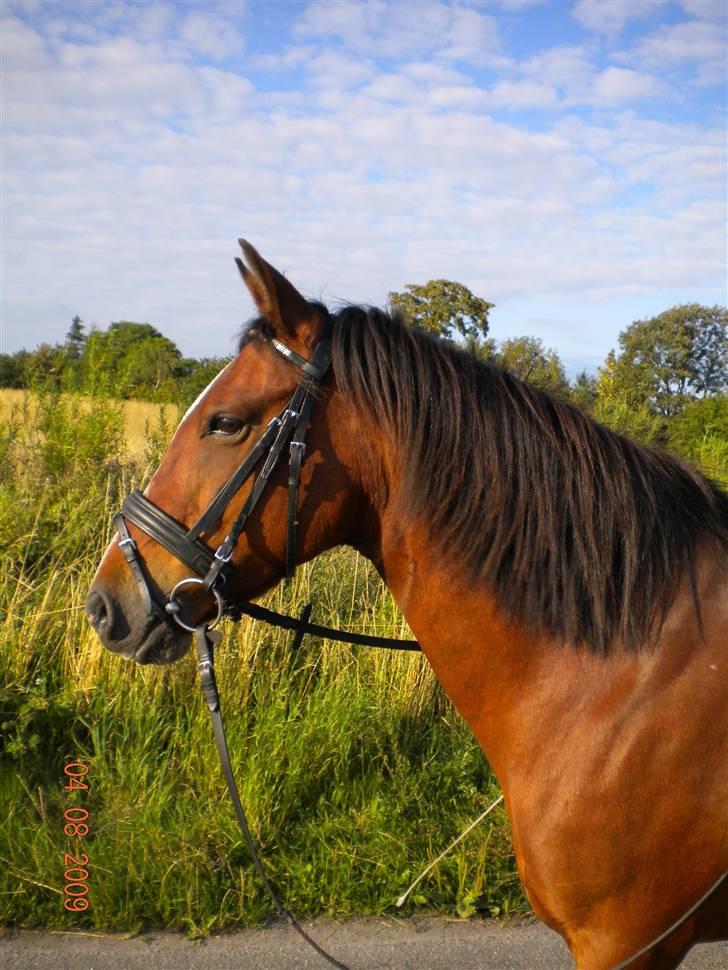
[567, 585]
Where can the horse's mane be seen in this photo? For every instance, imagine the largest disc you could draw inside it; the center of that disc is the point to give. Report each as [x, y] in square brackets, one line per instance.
[577, 530]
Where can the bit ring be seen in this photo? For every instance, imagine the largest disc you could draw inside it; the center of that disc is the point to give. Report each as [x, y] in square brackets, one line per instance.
[172, 606]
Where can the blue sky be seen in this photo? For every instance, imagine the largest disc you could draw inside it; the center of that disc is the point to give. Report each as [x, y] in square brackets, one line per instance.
[565, 160]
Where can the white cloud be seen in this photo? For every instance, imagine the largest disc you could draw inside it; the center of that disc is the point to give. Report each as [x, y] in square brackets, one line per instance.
[519, 4]
[610, 16]
[688, 41]
[522, 94]
[566, 77]
[393, 87]
[131, 168]
[470, 37]
[698, 43]
[403, 30]
[617, 85]
[706, 9]
[213, 36]
[337, 70]
[430, 73]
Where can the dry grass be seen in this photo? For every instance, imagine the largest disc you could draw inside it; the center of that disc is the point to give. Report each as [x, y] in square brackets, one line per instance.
[139, 416]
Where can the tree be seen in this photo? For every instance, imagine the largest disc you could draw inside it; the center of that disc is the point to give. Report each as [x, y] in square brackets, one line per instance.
[527, 358]
[199, 375]
[669, 359]
[45, 366]
[132, 360]
[444, 308]
[703, 423]
[584, 390]
[75, 339]
[14, 369]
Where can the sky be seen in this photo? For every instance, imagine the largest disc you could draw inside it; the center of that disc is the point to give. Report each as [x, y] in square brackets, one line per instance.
[564, 159]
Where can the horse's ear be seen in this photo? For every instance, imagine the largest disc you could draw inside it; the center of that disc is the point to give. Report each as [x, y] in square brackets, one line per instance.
[276, 299]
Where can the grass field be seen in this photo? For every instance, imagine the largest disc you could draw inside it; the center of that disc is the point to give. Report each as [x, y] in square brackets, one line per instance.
[353, 765]
[140, 417]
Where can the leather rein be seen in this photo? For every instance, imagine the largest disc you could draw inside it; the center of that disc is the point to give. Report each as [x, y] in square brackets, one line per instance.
[212, 568]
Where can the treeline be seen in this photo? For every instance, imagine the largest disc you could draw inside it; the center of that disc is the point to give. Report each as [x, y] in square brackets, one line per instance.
[128, 360]
[667, 383]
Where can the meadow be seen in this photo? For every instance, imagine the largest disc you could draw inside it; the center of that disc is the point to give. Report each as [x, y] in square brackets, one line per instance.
[354, 768]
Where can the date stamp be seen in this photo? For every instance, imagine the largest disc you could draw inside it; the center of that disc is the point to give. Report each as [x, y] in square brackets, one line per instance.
[76, 826]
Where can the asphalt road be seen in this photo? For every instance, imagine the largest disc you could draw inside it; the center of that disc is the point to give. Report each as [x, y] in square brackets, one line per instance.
[371, 944]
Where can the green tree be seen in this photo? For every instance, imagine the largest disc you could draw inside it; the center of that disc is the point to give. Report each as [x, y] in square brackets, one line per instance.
[584, 390]
[199, 375]
[527, 358]
[133, 360]
[45, 366]
[669, 359]
[75, 339]
[702, 422]
[445, 308]
[14, 369]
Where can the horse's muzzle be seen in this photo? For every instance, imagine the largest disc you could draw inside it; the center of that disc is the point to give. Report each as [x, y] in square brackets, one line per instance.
[127, 630]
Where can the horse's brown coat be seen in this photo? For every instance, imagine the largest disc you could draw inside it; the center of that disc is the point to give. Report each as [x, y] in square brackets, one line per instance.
[613, 765]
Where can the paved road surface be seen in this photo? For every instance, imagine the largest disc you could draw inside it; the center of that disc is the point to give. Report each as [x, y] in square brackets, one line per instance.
[371, 944]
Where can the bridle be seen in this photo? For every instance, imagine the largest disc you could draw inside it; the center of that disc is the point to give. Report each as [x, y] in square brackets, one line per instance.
[212, 569]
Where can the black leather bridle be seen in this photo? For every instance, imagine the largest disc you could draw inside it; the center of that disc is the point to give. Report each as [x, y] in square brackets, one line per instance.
[212, 567]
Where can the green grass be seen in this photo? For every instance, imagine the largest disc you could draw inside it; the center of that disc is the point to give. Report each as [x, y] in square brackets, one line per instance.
[354, 768]
[352, 765]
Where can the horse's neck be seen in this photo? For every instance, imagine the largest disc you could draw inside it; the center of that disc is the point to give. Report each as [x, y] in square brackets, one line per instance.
[511, 685]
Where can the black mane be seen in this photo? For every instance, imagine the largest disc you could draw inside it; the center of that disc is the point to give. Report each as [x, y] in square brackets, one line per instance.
[577, 530]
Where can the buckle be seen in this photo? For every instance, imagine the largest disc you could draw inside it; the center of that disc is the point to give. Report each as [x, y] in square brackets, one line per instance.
[297, 444]
[222, 558]
[128, 542]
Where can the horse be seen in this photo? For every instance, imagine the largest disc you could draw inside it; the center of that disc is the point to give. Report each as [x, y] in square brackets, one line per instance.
[567, 585]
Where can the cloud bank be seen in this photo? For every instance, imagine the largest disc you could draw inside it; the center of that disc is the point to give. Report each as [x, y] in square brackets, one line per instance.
[361, 146]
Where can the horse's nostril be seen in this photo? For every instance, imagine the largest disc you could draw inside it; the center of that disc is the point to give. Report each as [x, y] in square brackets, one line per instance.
[99, 611]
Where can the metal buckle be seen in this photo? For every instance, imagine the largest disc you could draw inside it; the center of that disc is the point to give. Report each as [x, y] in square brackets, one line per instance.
[297, 444]
[173, 606]
[128, 542]
[223, 559]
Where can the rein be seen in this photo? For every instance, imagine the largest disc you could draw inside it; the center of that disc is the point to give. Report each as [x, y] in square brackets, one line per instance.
[212, 568]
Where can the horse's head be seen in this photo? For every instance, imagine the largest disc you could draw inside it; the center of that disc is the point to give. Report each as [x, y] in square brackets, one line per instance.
[211, 443]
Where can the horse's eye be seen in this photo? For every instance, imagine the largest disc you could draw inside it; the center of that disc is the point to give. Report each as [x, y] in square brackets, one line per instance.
[222, 424]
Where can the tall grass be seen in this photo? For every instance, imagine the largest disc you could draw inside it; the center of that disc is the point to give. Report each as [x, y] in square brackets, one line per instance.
[353, 766]
[142, 420]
